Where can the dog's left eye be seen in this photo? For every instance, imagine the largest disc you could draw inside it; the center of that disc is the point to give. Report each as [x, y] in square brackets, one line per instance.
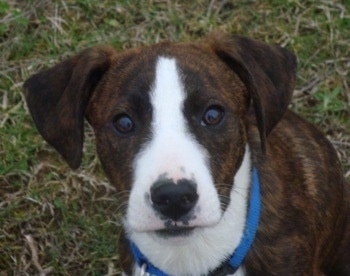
[213, 116]
[123, 124]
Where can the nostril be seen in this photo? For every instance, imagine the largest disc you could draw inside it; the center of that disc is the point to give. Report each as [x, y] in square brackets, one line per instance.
[188, 199]
[160, 200]
[174, 200]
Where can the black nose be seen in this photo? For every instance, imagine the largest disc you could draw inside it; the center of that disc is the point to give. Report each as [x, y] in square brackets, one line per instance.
[174, 200]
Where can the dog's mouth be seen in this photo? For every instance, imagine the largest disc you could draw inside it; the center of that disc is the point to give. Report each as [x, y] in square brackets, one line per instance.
[175, 232]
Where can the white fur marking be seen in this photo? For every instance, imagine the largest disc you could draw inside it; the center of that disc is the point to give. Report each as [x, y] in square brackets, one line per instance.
[172, 151]
[175, 152]
[208, 246]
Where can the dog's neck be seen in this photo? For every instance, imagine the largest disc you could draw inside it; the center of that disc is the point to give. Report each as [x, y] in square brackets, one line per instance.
[239, 225]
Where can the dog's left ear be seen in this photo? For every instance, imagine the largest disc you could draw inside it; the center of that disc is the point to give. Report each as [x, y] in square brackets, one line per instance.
[268, 73]
[57, 99]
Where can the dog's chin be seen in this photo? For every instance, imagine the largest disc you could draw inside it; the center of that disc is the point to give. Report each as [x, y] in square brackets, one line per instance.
[175, 232]
[178, 236]
[169, 233]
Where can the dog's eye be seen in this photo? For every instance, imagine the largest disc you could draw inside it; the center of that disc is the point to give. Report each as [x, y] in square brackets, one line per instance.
[123, 124]
[213, 116]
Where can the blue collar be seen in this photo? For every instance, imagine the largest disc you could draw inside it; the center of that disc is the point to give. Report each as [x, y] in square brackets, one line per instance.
[240, 252]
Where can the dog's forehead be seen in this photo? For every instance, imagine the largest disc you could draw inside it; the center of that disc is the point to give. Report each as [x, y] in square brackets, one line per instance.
[196, 63]
[189, 57]
[133, 73]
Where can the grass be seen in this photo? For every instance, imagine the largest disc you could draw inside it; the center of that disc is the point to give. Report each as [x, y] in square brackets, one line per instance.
[61, 222]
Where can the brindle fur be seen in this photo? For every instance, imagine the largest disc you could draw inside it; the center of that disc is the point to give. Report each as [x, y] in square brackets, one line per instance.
[305, 219]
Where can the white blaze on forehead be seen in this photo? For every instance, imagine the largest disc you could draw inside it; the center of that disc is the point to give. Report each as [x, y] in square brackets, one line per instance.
[174, 152]
[167, 99]
[174, 149]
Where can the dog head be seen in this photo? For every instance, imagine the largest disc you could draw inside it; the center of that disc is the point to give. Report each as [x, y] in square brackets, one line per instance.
[171, 124]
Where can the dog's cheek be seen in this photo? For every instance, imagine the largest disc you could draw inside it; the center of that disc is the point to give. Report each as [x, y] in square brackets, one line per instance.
[116, 156]
[226, 156]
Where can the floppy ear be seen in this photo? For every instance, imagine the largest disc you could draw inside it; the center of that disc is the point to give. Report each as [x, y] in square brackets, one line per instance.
[268, 73]
[57, 99]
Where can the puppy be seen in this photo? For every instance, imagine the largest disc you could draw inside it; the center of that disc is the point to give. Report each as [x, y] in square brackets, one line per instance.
[222, 178]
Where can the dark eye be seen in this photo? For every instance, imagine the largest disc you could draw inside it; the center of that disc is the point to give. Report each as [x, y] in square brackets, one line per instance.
[213, 116]
[123, 124]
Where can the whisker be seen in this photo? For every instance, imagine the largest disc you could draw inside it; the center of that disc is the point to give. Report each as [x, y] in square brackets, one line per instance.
[122, 193]
[122, 208]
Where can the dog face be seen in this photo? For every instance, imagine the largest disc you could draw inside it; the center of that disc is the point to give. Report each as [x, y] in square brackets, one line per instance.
[171, 123]
[169, 128]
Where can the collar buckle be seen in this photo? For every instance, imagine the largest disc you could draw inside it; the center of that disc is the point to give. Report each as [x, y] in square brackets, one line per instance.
[143, 271]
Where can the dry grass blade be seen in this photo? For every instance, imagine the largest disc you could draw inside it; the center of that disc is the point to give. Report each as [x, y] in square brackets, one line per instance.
[35, 258]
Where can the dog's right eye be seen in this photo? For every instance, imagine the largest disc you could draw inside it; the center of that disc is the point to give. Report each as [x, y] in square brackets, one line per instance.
[123, 124]
[213, 116]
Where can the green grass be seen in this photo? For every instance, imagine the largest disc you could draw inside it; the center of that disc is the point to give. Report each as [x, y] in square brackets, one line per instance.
[69, 219]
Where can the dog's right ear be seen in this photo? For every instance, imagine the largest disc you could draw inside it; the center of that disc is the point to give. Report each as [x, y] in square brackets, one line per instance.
[267, 71]
[57, 99]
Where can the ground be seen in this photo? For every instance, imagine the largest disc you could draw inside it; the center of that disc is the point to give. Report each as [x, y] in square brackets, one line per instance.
[61, 222]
